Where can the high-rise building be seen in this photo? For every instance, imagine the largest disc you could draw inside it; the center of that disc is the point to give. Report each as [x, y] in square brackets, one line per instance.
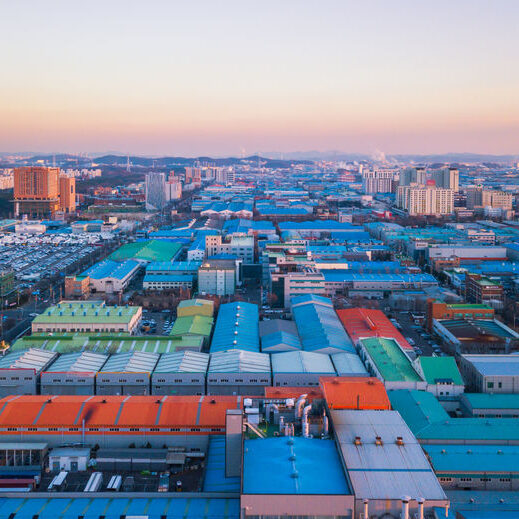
[448, 178]
[479, 197]
[41, 192]
[194, 175]
[378, 181]
[413, 176]
[155, 191]
[67, 194]
[427, 200]
[173, 188]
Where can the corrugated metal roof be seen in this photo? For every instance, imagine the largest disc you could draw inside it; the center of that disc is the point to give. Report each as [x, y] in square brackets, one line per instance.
[34, 358]
[183, 362]
[134, 362]
[75, 312]
[440, 368]
[193, 325]
[237, 361]
[280, 341]
[349, 364]
[81, 362]
[386, 470]
[489, 365]
[302, 362]
[111, 269]
[236, 328]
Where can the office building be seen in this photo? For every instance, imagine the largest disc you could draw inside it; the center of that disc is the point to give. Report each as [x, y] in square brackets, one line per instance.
[481, 289]
[155, 184]
[217, 277]
[36, 191]
[240, 246]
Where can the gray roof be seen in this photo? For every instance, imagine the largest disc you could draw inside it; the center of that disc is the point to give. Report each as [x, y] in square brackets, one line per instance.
[239, 361]
[277, 325]
[389, 470]
[349, 364]
[183, 362]
[82, 362]
[495, 365]
[302, 362]
[133, 362]
[34, 358]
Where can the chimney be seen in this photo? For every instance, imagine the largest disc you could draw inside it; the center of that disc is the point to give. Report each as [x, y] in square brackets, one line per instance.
[421, 502]
[405, 507]
[366, 508]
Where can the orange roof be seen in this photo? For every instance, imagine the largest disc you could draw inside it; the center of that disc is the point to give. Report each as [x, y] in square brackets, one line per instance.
[146, 411]
[354, 393]
[273, 393]
[364, 322]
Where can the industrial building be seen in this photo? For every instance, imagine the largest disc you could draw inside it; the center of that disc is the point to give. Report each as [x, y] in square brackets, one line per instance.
[439, 310]
[147, 251]
[279, 335]
[115, 421]
[20, 371]
[72, 374]
[361, 323]
[237, 372]
[71, 316]
[181, 373]
[188, 307]
[354, 393]
[349, 365]
[490, 373]
[300, 368]
[384, 463]
[218, 276]
[127, 374]
[490, 405]
[110, 276]
[193, 325]
[236, 328]
[318, 325]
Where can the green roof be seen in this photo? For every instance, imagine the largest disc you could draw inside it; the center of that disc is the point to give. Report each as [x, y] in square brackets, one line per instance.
[441, 368]
[392, 363]
[151, 250]
[493, 401]
[76, 313]
[466, 306]
[193, 325]
[113, 343]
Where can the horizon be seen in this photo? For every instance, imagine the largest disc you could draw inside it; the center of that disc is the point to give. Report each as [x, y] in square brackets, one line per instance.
[232, 79]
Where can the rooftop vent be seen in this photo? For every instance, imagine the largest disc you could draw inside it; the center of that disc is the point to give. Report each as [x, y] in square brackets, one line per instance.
[378, 440]
[357, 440]
[399, 440]
[294, 474]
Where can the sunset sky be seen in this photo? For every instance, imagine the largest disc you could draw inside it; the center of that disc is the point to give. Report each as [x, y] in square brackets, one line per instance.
[215, 77]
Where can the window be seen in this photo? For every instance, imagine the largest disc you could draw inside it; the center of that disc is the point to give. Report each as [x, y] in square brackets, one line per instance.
[490, 385]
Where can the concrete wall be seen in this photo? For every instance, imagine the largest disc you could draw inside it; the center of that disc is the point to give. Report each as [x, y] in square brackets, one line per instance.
[18, 382]
[298, 379]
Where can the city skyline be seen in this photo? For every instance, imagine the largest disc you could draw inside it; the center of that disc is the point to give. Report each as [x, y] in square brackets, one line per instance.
[216, 79]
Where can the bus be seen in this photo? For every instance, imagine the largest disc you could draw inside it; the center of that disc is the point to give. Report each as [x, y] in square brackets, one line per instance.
[94, 483]
[59, 482]
[114, 485]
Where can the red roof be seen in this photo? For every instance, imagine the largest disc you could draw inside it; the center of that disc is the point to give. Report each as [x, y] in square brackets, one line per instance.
[363, 322]
[354, 393]
[274, 393]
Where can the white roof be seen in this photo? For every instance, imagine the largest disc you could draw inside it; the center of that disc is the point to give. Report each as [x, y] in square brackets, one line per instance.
[239, 361]
[133, 362]
[183, 362]
[302, 362]
[33, 358]
[84, 362]
[389, 470]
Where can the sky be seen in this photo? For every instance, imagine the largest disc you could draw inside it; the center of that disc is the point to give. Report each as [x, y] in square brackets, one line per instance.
[226, 77]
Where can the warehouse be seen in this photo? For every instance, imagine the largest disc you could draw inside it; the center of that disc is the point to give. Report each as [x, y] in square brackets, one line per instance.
[115, 421]
[127, 374]
[72, 374]
[385, 462]
[20, 371]
[181, 373]
[349, 365]
[71, 316]
[387, 361]
[300, 368]
[236, 328]
[354, 393]
[195, 307]
[304, 479]
[111, 276]
[167, 281]
[490, 373]
[318, 325]
[147, 251]
[490, 405]
[237, 372]
[193, 325]
[364, 322]
[279, 335]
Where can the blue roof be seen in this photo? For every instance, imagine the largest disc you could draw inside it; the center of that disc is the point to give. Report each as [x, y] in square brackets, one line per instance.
[110, 268]
[345, 276]
[174, 266]
[292, 466]
[215, 479]
[280, 339]
[198, 244]
[244, 336]
[320, 225]
[168, 278]
[114, 508]
[318, 325]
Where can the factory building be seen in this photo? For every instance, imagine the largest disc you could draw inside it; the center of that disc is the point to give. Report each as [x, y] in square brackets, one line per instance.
[181, 373]
[193, 326]
[318, 325]
[71, 316]
[384, 462]
[361, 323]
[111, 276]
[490, 405]
[237, 372]
[236, 328]
[278, 335]
[72, 374]
[20, 371]
[300, 368]
[354, 393]
[127, 374]
[349, 365]
[195, 307]
[115, 421]
[490, 373]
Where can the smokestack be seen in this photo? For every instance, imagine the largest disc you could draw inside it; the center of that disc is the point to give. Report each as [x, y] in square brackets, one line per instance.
[366, 513]
[405, 507]
[420, 502]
